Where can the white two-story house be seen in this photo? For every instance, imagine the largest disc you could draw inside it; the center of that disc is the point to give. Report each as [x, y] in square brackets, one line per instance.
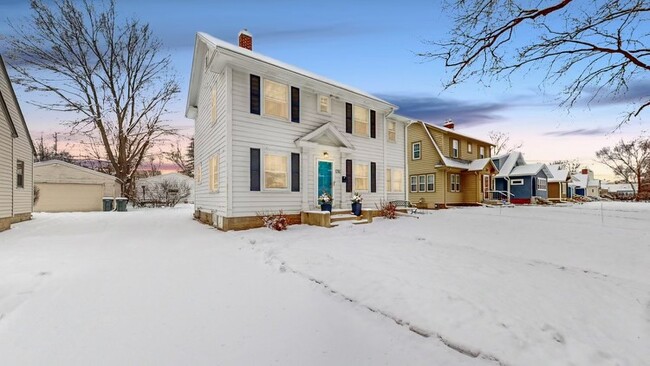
[270, 137]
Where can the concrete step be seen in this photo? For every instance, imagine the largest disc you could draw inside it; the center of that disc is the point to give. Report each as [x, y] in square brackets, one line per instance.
[340, 211]
[360, 222]
[343, 217]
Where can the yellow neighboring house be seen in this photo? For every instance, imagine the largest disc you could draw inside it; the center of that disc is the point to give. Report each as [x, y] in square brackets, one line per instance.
[446, 167]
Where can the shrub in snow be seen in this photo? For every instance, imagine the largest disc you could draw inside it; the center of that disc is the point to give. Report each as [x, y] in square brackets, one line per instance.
[166, 193]
[275, 221]
[387, 210]
[356, 198]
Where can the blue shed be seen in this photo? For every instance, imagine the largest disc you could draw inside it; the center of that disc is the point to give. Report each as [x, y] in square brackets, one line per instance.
[521, 181]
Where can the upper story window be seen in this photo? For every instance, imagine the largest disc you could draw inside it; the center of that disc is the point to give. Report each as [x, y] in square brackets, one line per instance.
[276, 167]
[276, 99]
[20, 174]
[481, 152]
[469, 147]
[392, 131]
[324, 104]
[455, 148]
[361, 121]
[415, 151]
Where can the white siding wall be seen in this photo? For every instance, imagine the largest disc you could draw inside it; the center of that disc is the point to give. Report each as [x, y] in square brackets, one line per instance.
[22, 150]
[211, 139]
[267, 134]
[396, 157]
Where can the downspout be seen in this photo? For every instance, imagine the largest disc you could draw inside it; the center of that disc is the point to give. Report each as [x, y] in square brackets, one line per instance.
[383, 147]
[405, 179]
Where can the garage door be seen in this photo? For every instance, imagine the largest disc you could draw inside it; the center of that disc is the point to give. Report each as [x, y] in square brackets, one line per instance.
[69, 197]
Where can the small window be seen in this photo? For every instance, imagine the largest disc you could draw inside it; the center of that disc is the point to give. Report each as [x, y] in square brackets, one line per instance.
[454, 182]
[361, 121]
[415, 151]
[392, 131]
[469, 147]
[541, 184]
[213, 105]
[324, 104]
[455, 148]
[414, 183]
[276, 99]
[422, 183]
[275, 171]
[20, 174]
[394, 180]
[481, 152]
[431, 182]
[516, 182]
[361, 177]
[214, 173]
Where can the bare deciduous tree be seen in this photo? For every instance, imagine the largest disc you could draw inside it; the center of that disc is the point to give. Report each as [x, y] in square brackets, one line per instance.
[184, 161]
[501, 141]
[570, 165]
[596, 46]
[628, 160]
[109, 73]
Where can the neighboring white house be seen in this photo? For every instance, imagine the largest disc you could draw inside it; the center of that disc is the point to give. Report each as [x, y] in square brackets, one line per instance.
[620, 189]
[65, 187]
[270, 136]
[144, 185]
[16, 157]
[586, 184]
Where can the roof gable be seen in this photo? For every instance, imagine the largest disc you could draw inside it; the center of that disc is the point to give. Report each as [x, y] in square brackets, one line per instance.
[67, 165]
[326, 134]
[12, 99]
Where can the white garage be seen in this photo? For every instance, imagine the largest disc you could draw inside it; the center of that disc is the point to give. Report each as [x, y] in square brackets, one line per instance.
[65, 187]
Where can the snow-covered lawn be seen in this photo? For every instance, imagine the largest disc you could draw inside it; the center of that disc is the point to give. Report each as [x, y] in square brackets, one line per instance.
[520, 286]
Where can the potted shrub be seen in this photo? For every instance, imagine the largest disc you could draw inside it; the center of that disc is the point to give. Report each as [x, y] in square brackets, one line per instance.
[356, 204]
[325, 202]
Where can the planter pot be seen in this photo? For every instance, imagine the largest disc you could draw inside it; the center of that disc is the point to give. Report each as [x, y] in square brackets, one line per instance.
[356, 208]
[326, 207]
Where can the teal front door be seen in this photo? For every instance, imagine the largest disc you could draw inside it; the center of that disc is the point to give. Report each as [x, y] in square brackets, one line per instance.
[325, 177]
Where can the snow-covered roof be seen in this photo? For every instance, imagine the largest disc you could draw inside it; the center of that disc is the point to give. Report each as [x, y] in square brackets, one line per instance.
[530, 169]
[559, 175]
[514, 159]
[73, 166]
[583, 181]
[479, 164]
[618, 187]
[243, 53]
[174, 177]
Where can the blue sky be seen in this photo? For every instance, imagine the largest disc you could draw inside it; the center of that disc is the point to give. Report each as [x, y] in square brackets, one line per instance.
[372, 45]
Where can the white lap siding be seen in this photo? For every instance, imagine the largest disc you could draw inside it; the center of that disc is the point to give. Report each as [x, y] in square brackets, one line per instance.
[210, 139]
[6, 172]
[278, 136]
[395, 159]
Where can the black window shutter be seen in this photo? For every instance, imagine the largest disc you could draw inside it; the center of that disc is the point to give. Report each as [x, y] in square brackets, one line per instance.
[255, 169]
[348, 175]
[373, 124]
[348, 118]
[373, 177]
[255, 94]
[295, 104]
[295, 172]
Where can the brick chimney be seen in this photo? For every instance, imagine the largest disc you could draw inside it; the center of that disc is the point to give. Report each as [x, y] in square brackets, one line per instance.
[245, 40]
[585, 171]
[449, 124]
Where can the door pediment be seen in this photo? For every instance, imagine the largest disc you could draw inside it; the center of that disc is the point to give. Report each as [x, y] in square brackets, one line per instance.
[327, 135]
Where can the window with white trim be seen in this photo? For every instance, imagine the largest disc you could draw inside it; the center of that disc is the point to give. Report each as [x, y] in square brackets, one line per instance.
[541, 184]
[276, 171]
[469, 147]
[431, 182]
[361, 177]
[276, 99]
[455, 147]
[516, 182]
[414, 183]
[392, 131]
[324, 104]
[454, 182]
[214, 173]
[395, 180]
[361, 118]
[422, 183]
[213, 105]
[415, 151]
[481, 152]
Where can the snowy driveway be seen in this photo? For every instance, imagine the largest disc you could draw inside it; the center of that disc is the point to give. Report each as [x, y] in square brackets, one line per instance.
[154, 287]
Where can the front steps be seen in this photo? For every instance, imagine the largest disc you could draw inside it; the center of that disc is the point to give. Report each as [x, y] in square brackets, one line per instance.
[333, 219]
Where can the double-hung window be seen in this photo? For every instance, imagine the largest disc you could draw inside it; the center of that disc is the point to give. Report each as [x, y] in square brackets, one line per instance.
[392, 131]
[394, 180]
[455, 147]
[541, 184]
[431, 182]
[422, 182]
[469, 147]
[324, 104]
[361, 121]
[454, 182]
[481, 152]
[414, 183]
[361, 177]
[276, 99]
[276, 168]
[415, 151]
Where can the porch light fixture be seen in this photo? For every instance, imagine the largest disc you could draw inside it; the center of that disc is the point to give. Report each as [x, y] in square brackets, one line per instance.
[326, 155]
